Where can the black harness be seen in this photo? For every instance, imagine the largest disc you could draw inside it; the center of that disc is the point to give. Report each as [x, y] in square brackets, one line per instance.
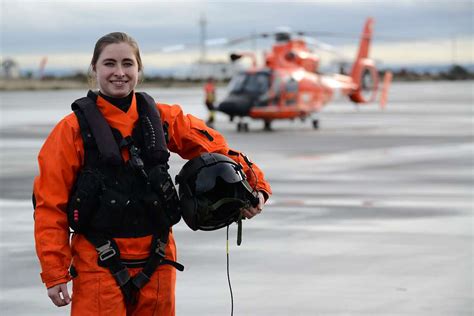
[114, 199]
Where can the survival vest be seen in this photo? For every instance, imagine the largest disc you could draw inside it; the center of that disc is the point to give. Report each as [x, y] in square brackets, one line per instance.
[116, 199]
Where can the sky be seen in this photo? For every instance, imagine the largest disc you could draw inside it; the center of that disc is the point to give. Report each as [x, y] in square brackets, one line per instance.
[407, 32]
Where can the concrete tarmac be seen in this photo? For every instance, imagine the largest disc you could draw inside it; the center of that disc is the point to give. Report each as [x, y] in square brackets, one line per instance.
[372, 214]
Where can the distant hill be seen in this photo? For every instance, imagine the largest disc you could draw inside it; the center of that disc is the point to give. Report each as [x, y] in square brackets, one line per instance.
[433, 68]
[432, 72]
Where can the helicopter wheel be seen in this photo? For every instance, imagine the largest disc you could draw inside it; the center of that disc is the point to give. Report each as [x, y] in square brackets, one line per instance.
[242, 127]
[267, 125]
[315, 124]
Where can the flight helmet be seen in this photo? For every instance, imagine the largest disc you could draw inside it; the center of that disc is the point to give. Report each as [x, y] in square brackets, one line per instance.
[212, 190]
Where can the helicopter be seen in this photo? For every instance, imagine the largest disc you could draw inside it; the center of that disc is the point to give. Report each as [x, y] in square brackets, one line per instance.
[289, 84]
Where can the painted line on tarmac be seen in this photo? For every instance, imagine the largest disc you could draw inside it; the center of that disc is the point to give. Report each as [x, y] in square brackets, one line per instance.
[385, 203]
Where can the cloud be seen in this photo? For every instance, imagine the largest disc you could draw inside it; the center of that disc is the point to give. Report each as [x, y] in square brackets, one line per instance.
[68, 28]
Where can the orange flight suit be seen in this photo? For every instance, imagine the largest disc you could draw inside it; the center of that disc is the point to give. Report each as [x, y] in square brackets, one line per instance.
[95, 291]
[210, 92]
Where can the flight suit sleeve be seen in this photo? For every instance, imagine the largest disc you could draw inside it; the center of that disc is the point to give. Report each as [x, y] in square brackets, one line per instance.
[59, 160]
[189, 137]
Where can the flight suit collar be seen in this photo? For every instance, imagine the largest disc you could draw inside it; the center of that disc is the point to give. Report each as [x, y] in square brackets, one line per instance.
[123, 121]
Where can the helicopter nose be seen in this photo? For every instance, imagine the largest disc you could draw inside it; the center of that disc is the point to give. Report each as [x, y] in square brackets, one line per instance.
[235, 106]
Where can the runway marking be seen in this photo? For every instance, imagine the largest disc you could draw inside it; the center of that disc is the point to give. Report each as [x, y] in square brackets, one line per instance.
[19, 143]
[379, 203]
[15, 203]
[393, 154]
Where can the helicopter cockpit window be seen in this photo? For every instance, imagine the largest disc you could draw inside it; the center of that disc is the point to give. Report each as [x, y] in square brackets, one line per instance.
[237, 82]
[283, 88]
[275, 90]
[291, 90]
[256, 83]
[292, 85]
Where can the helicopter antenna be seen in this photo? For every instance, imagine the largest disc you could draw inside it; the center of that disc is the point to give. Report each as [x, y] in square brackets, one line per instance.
[202, 25]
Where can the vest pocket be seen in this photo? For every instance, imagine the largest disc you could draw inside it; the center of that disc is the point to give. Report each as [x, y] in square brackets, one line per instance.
[155, 211]
[163, 188]
[109, 216]
[84, 200]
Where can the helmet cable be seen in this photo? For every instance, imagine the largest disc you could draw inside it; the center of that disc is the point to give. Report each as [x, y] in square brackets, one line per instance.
[228, 274]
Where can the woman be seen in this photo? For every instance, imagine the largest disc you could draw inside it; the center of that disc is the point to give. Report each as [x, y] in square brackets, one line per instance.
[66, 154]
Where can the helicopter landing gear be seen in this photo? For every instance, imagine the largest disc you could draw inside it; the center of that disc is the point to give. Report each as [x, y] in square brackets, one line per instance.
[267, 126]
[315, 120]
[242, 126]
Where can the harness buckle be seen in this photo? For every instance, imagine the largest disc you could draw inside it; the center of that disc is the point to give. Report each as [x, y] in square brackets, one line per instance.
[106, 251]
[160, 248]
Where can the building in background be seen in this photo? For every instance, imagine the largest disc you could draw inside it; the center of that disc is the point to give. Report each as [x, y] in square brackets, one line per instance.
[10, 69]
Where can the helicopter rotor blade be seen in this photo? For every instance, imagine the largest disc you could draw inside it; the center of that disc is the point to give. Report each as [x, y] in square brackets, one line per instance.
[318, 44]
[173, 48]
[216, 41]
[329, 34]
[238, 40]
[208, 43]
[213, 42]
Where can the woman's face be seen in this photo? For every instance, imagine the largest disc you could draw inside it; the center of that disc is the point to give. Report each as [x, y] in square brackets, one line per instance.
[117, 70]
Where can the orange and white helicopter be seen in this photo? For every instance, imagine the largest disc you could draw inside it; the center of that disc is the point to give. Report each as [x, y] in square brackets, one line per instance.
[290, 86]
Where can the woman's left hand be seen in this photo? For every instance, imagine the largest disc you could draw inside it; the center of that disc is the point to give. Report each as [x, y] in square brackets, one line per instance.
[251, 211]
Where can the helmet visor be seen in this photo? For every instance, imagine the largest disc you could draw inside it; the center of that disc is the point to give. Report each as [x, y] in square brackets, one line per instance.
[206, 179]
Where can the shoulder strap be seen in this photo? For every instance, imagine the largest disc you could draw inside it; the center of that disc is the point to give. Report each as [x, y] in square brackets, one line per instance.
[152, 129]
[91, 153]
[99, 129]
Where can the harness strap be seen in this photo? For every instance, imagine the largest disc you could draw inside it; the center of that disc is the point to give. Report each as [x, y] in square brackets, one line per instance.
[109, 257]
[100, 129]
[152, 129]
[91, 152]
[156, 259]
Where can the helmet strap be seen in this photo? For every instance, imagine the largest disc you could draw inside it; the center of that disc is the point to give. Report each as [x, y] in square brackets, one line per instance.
[223, 201]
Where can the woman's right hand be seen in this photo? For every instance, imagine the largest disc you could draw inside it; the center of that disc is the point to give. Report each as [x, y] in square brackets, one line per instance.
[59, 295]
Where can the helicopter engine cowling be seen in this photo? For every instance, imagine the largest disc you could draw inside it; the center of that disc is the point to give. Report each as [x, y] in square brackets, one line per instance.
[309, 62]
[365, 76]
